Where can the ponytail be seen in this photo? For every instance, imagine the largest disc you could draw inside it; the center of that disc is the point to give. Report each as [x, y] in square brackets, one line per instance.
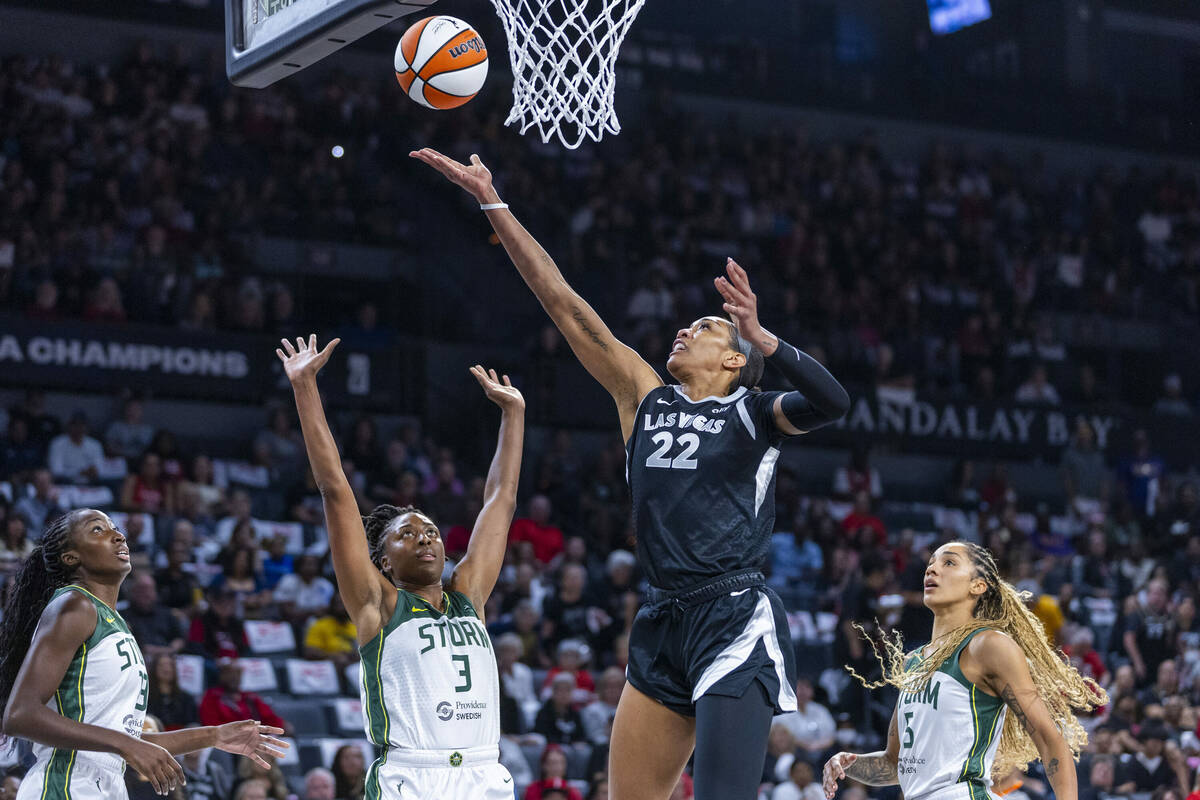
[29, 592]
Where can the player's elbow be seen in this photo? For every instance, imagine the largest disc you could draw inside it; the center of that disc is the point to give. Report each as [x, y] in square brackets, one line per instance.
[16, 719]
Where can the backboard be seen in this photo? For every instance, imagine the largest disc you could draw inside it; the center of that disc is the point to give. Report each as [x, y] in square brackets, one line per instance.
[266, 40]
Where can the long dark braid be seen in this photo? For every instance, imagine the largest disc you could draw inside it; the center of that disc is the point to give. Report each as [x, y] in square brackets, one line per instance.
[375, 524]
[29, 592]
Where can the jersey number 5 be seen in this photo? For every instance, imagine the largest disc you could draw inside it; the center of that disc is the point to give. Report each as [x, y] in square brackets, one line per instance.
[664, 440]
[908, 732]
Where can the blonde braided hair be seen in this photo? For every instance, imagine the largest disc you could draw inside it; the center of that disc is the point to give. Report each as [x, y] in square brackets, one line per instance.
[1001, 607]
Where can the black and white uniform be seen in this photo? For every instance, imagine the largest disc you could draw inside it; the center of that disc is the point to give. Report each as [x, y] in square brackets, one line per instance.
[702, 476]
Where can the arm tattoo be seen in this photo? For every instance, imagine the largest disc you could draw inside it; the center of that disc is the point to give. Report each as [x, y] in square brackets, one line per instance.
[1010, 699]
[577, 315]
[1052, 768]
[873, 770]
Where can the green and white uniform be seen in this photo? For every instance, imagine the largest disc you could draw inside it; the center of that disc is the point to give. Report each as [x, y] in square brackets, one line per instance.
[106, 684]
[431, 700]
[949, 732]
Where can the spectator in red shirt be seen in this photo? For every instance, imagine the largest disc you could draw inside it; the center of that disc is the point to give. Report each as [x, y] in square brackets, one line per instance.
[554, 775]
[1084, 657]
[226, 702]
[547, 539]
[861, 517]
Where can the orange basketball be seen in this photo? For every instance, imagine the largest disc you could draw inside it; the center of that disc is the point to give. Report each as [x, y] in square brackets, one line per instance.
[441, 62]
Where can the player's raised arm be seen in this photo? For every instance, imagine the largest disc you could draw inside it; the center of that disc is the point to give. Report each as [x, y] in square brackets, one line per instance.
[616, 366]
[819, 399]
[362, 586]
[476, 575]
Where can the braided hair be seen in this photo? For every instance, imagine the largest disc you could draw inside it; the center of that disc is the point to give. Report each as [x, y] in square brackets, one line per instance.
[1003, 608]
[34, 583]
[376, 524]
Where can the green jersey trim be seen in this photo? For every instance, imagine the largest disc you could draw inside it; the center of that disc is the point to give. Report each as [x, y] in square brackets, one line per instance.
[984, 716]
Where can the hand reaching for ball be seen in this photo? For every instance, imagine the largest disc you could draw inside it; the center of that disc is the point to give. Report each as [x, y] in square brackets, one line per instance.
[476, 178]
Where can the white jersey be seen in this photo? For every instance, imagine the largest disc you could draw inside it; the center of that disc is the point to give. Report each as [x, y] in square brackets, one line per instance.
[949, 733]
[106, 684]
[429, 680]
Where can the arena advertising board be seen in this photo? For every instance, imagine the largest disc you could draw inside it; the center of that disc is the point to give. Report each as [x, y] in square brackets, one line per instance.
[175, 363]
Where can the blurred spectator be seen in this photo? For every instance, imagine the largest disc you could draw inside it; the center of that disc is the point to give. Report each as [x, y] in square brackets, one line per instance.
[857, 476]
[279, 447]
[199, 491]
[800, 785]
[1173, 402]
[74, 456]
[15, 546]
[304, 594]
[597, 715]
[226, 702]
[42, 506]
[174, 707]
[861, 517]
[19, 453]
[275, 784]
[547, 539]
[1085, 475]
[319, 784]
[241, 575]
[148, 491]
[516, 680]
[128, 437]
[1166, 685]
[558, 720]
[333, 636]
[572, 658]
[1146, 634]
[304, 501]
[349, 770]
[206, 778]
[43, 426]
[1037, 390]
[105, 303]
[156, 629]
[218, 633]
[811, 725]
[254, 789]
[553, 775]
[781, 746]
[569, 613]
[1084, 657]
[178, 588]
[9, 784]
[1141, 474]
[1152, 767]
[278, 562]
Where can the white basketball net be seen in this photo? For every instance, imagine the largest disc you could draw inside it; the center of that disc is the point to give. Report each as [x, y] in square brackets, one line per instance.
[564, 54]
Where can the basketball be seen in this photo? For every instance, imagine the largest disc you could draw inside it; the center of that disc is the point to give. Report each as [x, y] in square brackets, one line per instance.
[441, 62]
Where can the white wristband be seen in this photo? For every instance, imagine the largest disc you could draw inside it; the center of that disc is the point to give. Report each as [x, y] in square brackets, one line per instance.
[492, 206]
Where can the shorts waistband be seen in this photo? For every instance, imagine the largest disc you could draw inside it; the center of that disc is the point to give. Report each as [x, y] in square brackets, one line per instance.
[706, 590]
[954, 791]
[466, 757]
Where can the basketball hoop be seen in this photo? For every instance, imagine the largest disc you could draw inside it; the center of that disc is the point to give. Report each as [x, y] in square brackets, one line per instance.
[564, 54]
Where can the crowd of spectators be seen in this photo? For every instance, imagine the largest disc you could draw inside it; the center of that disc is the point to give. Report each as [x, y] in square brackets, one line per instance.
[1113, 574]
[128, 191]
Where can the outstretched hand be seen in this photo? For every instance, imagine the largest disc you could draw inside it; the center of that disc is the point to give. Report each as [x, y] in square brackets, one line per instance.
[499, 390]
[834, 771]
[741, 304]
[476, 178]
[304, 360]
[252, 739]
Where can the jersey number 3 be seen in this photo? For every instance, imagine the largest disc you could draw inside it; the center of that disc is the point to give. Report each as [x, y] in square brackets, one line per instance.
[684, 460]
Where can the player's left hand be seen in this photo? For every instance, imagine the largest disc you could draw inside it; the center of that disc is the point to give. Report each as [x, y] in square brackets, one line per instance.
[499, 389]
[249, 737]
[741, 304]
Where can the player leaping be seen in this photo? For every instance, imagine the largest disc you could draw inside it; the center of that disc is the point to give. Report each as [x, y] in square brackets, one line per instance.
[710, 659]
[430, 689]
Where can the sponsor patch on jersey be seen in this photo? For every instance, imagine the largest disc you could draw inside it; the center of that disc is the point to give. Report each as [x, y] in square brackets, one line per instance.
[445, 711]
[132, 726]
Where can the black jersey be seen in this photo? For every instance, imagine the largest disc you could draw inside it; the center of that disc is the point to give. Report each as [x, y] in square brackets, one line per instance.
[702, 475]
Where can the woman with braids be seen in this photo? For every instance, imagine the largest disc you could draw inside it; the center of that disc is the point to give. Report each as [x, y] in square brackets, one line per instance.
[430, 688]
[710, 659]
[72, 679]
[951, 730]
